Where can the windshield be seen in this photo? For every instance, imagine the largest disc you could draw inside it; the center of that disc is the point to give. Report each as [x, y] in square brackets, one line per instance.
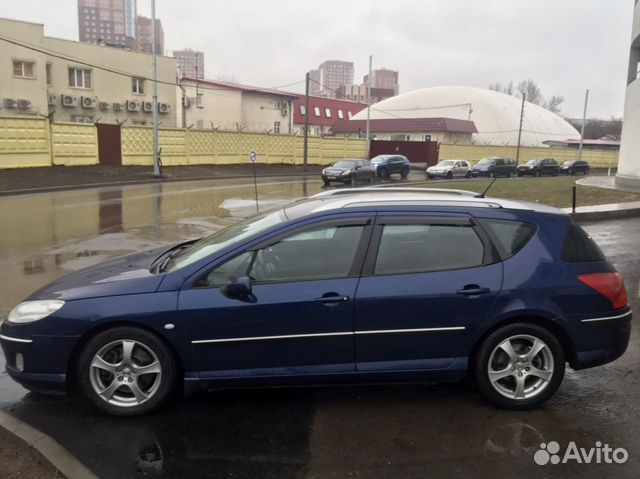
[345, 164]
[378, 159]
[446, 163]
[225, 237]
[533, 162]
[486, 161]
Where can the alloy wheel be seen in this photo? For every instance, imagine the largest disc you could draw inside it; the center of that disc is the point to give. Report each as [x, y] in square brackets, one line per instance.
[520, 367]
[125, 373]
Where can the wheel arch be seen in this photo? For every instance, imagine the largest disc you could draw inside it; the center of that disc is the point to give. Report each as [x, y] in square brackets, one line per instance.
[552, 326]
[93, 332]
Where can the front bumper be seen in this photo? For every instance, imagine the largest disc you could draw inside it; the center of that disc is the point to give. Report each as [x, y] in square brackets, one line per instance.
[477, 173]
[600, 340]
[45, 359]
[344, 178]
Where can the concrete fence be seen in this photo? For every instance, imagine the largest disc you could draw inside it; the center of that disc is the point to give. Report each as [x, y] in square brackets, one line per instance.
[29, 142]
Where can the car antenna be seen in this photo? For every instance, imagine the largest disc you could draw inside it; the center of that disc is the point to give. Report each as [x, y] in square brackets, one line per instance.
[481, 195]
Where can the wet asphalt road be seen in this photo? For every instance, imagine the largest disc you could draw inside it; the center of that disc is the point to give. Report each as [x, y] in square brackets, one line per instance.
[381, 431]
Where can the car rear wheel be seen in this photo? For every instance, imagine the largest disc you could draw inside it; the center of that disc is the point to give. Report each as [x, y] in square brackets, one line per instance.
[519, 366]
[536, 173]
[127, 371]
[404, 173]
[449, 175]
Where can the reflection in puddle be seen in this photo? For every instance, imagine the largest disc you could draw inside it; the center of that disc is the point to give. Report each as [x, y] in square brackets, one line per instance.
[513, 440]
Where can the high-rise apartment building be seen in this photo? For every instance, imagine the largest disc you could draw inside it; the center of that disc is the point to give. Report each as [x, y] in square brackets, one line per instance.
[144, 35]
[383, 78]
[190, 63]
[331, 75]
[107, 21]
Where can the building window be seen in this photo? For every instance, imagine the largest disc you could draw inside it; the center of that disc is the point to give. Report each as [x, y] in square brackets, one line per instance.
[137, 86]
[199, 103]
[316, 110]
[276, 127]
[79, 78]
[327, 111]
[303, 110]
[350, 115]
[49, 76]
[340, 114]
[139, 122]
[23, 69]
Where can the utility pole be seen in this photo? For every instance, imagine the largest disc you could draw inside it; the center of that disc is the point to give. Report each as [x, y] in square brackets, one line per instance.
[306, 119]
[369, 108]
[584, 120]
[524, 96]
[156, 162]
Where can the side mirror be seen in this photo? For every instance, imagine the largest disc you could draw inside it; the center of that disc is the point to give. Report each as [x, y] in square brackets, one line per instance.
[240, 288]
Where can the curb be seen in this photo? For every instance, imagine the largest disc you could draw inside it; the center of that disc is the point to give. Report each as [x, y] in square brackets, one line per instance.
[611, 214]
[49, 189]
[49, 449]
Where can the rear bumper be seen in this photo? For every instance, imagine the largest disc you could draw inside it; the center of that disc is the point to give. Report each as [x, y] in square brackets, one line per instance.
[602, 339]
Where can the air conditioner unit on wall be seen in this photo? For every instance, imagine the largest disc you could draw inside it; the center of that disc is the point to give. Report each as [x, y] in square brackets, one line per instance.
[147, 106]
[10, 103]
[133, 105]
[284, 110]
[89, 101]
[118, 107]
[164, 108]
[24, 104]
[70, 101]
[53, 99]
[104, 106]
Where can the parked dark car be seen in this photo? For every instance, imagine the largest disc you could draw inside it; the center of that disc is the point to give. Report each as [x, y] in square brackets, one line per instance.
[401, 285]
[349, 171]
[386, 165]
[539, 167]
[573, 167]
[494, 167]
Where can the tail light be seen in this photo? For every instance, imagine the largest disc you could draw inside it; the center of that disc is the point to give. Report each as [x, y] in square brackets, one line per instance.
[609, 285]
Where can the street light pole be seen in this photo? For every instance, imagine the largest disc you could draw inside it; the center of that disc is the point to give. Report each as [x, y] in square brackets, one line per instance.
[156, 161]
[369, 108]
[584, 119]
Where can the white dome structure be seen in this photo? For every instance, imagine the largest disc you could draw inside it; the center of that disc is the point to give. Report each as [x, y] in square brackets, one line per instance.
[496, 115]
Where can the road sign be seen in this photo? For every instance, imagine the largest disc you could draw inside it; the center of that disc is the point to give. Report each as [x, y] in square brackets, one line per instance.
[253, 156]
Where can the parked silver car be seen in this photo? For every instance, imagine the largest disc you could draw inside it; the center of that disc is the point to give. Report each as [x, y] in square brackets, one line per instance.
[449, 169]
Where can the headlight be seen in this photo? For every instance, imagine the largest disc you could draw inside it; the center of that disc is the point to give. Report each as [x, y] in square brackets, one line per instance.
[345, 173]
[30, 311]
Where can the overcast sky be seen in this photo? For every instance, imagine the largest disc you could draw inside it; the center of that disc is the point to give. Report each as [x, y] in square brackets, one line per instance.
[566, 46]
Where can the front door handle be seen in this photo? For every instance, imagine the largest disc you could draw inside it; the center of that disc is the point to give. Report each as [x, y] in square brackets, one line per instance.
[473, 290]
[332, 298]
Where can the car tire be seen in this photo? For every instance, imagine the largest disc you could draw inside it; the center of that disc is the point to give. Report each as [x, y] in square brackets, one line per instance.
[467, 174]
[536, 173]
[520, 175]
[431, 177]
[119, 386]
[384, 173]
[325, 182]
[404, 173]
[449, 175]
[501, 375]
[372, 178]
[509, 175]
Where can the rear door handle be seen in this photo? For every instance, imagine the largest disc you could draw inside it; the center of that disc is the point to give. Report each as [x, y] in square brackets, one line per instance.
[332, 299]
[472, 290]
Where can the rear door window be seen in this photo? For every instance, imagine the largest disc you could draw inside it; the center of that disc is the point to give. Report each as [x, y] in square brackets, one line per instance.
[418, 248]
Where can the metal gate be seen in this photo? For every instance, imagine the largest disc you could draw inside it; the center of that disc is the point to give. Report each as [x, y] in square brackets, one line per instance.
[109, 144]
[415, 151]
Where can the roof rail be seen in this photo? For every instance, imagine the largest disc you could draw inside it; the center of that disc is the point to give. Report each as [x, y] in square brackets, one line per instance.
[395, 189]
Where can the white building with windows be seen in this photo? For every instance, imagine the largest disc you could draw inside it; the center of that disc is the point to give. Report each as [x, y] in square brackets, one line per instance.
[629, 162]
[80, 82]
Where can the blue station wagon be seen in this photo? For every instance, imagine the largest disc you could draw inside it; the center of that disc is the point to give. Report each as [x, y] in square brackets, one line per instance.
[348, 286]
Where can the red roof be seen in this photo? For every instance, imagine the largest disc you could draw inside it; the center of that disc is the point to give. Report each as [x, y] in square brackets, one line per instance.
[407, 125]
[237, 86]
[323, 104]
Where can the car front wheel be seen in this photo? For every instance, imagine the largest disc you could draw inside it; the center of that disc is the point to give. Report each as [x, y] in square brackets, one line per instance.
[127, 371]
[519, 366]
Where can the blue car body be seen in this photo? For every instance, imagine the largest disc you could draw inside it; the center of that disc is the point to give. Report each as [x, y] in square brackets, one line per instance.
[363, 327]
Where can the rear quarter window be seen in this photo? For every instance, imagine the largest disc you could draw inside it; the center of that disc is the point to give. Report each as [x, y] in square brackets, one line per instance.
[579, 246]
[508, 236]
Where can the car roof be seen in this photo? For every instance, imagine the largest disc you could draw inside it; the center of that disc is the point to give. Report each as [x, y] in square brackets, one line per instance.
[398, 196]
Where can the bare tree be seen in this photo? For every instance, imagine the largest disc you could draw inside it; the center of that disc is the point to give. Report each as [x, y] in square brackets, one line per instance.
[553, 105]
[532, 91]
